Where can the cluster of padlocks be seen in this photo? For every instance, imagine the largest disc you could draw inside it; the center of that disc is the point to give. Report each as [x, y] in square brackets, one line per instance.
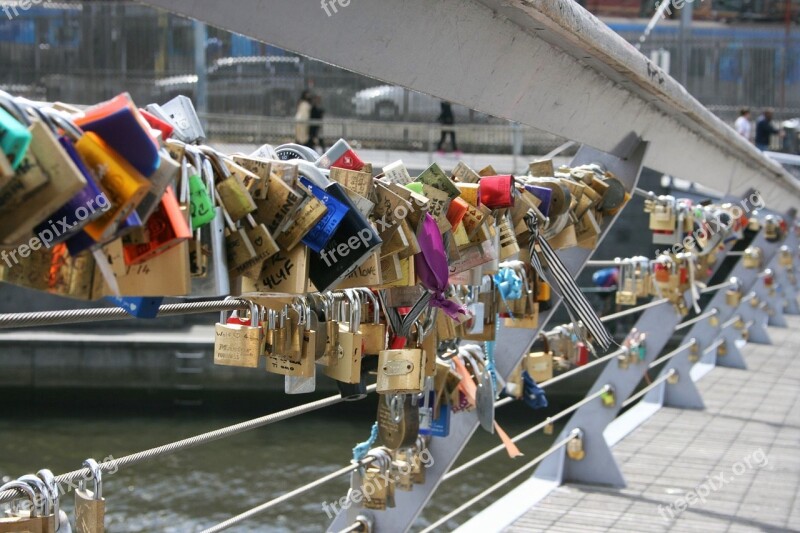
[41, 511]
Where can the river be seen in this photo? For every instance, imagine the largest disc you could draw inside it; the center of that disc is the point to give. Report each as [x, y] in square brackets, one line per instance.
[202, 486]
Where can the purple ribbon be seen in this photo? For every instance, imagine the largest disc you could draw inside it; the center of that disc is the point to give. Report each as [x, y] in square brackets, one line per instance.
[432, 268]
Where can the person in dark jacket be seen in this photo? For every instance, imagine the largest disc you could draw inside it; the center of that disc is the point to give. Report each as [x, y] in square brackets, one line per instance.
[765, 129]
[315, 130]
[446, 118]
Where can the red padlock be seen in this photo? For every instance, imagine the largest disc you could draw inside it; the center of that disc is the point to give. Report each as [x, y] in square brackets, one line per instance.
[497, 192]
[166, 228]
[582, 354]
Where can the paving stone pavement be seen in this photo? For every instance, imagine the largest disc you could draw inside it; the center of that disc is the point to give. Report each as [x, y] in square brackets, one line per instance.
[742, 453]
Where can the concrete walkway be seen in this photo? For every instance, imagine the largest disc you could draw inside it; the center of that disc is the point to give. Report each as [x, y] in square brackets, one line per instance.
[733, 467]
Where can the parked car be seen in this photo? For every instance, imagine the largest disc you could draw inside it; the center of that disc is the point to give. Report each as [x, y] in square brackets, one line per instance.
[251, 85]
[387, 102]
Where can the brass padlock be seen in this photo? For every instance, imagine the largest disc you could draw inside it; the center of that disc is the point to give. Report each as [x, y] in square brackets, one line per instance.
[239, 250]
[232, 192]
[722, 349]
[752, 257]
[508, 239]
[402, 371]
[694, 353]
[376, 484]
[733, 294]
[623, 360]
[549, 427]
[43, 493]
[21, 521]
[785, 257]
[401, 474]
[374, 334]
[772, 230]
[673, 378]
[238, 344]
[90, 506]
[345, 365]
[575, 449]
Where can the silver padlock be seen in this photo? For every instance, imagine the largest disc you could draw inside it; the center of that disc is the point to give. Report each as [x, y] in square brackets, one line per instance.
[181, 113]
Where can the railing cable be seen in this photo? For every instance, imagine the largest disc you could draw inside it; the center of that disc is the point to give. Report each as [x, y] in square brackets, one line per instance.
[538, 459]
[472, 462]
[75, 316]
[650, 387]
[582, 368]
[229, 431]
[632, 310]
[698, 318]
[672, 354]
[287, 496]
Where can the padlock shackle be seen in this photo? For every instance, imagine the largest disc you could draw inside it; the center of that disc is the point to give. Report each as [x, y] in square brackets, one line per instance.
[40, 488]
[28, 493]
[50, 481]
[97, 477]
[10, 104]
[376, 310]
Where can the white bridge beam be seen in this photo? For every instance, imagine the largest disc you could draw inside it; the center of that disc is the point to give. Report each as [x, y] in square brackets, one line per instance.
[546, 63]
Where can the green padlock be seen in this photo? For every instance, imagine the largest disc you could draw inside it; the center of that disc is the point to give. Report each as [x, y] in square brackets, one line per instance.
[201, 205]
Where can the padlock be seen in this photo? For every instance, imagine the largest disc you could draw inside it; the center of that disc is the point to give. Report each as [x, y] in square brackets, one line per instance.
[239, 251]
[662, 214]
[287, 355]
[50, 483]
[180, 112]
[673, 378]
[14, 138]
[373, 334]
[123, 185]
[346, 363]
[627, 293]
[526, 309]
[232, 193]
[402, 371]
[208, 252]
[398, 420]
[263, 244]
[752, 257]
[733, 294]
[549, 427]
[623, 359]
[380, 494]
[722, 349]
[121, 126]
[609, 397]
[83, 202]
[90, 506]
[21, 521]
[772, 230]
[42, 491]
[201, 204]
[575, 449]
[509, 247]
[785, 258]
[694, 353]
[165, 229]
[401, 474]
[237, 344]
